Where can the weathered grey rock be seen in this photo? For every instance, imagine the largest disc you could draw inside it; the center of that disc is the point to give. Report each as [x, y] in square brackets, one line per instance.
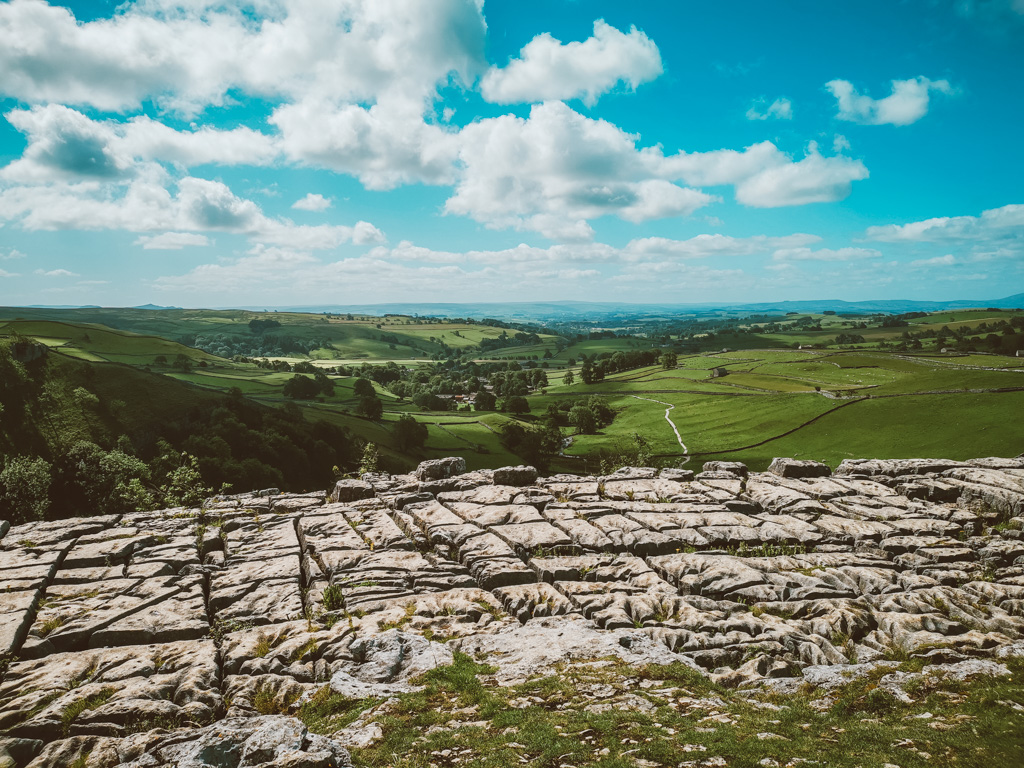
[440, 469]
[798, 468]
[676, 475]
[737, 468]
[174, 679]
[351, 490]
[747, 578]
[535, 648]
[893, 467]
[384, 664]
[521, 475]
[243, 742]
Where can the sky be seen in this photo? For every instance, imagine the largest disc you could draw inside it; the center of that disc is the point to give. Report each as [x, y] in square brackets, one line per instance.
[310, 152]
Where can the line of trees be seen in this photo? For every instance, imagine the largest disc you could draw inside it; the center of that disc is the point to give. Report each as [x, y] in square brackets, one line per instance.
[78, 438]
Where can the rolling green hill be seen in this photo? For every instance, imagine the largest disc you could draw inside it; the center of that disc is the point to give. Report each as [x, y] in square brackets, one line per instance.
[155, 372]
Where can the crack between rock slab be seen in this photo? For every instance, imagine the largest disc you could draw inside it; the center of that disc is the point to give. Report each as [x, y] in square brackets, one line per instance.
[33, 612]
[304, 584]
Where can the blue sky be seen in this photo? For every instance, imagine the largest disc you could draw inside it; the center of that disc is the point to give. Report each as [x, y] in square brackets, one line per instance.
[358, 151]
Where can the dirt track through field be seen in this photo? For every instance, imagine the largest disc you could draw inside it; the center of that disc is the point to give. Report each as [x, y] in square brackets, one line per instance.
[686, 452]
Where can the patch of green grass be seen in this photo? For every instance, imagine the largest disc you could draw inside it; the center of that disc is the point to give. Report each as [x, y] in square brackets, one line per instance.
[73, 710]
[545, 722]
[410, 611]
[306, 649]
[327, 711]
[51, 625]
[267, 702]
[334, 597]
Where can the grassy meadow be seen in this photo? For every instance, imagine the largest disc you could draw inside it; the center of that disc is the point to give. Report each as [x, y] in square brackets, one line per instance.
[757, 399]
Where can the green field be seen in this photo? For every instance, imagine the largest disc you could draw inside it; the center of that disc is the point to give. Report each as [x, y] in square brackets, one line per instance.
[822, 403]
[870, 404]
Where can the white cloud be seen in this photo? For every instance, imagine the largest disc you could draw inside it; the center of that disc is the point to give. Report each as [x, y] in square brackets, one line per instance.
[171, 241]
[1005, 223]
[145, 205]
[780, 109]
[651, 249]
[384, 145]
[557, 169]
[187, 56]
[935, 261]
[907, 103]
[825, 254]
[64, 144]
[548, 70]
[312, 202]
[55, 273]
[5, 273]
[763, 175]
[814, 179]
[356, 88]
[13, 253]
[703, 246]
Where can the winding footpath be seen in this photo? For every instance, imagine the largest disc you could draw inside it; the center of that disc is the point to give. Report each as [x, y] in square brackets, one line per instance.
[686, 451]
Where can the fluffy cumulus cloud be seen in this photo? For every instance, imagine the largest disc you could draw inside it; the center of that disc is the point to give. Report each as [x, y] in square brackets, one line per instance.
[189, 55]
[766, 177]
[780, 109]
[813, 179]
[556, 169]
[146, 205]
[355, 87]
[1005, 223]
[907, 103]
[547, 69]
[383, 145]
[64, 144]
[312, 202]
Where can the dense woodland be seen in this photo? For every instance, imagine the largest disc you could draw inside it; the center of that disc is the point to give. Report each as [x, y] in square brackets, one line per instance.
[80, 438]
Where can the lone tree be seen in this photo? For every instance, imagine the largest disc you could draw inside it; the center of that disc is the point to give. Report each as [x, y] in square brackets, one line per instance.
[300, 387]
[485, 401]
[371, 407]
[569, 379]
[410, 434]
[517, 405]
[584, 419]
[364, 388]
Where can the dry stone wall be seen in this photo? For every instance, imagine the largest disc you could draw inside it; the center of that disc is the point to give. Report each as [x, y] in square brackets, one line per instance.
[146, 639]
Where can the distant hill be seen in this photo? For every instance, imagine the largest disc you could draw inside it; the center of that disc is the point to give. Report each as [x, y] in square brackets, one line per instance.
[554, 310]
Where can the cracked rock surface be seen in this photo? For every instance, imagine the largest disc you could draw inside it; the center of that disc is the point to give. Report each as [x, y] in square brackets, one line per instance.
[191, 636]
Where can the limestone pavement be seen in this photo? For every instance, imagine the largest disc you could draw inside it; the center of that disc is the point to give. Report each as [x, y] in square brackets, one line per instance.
[165, 638]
